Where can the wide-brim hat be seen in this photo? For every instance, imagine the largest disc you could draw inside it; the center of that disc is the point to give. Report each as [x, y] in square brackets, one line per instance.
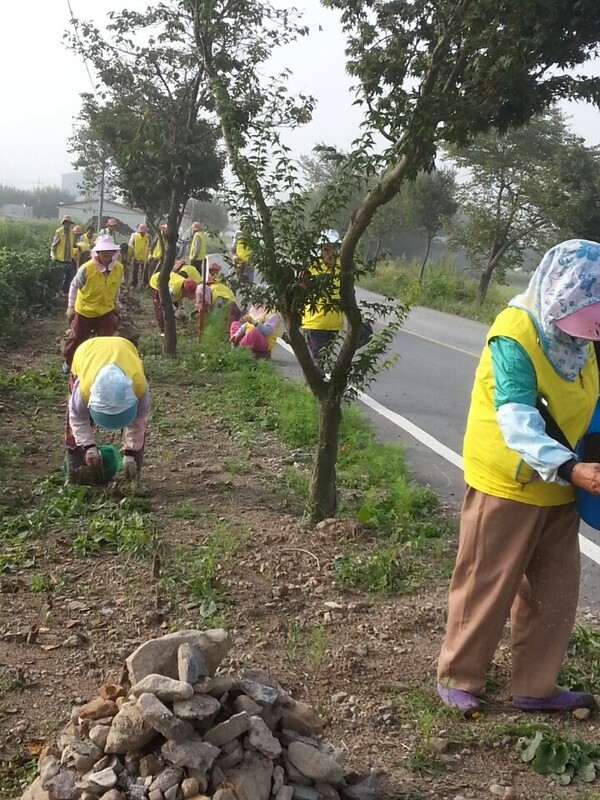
[104, 244]
[67, 218]
[582, 324]
[112, 402]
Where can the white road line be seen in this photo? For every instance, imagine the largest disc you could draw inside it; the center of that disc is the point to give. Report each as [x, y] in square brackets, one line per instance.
[587, 547]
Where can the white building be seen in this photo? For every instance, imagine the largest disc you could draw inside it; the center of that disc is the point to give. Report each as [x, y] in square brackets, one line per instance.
[16, 211]
[86, 211]
[71, 183]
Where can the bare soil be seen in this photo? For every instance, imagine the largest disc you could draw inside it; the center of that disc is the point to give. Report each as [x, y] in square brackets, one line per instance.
[366, 663]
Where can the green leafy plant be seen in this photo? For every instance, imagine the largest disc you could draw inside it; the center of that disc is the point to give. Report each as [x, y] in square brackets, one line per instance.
[581, 670]
[561, 759]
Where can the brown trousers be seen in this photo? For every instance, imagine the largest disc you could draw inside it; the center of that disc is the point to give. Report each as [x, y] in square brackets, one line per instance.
[512, 559]
[82, 328]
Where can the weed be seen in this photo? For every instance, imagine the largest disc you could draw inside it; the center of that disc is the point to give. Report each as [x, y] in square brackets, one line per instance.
[317, 647]
[292, 641]
[581, 670]
[186, 510]
[386, 571]
[16, 775]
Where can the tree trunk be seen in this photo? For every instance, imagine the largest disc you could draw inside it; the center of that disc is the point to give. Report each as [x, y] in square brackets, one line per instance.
[323, 502]
[425, 257]
[377, 247]
[485, 280]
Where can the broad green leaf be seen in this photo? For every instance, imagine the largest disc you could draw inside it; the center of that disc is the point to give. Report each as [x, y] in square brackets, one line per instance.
[529, 746]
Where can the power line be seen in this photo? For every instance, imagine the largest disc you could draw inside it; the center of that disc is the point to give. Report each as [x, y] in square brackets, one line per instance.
[73, 21]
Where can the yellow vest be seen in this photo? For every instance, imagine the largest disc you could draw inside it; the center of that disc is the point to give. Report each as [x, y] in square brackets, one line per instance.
[96, 353]
[141, 246]
[90, 241]
[242, 251]
[490, 466]
[218, 289]
[272, 338]
[59, 251]
[98, 294]
[187, 271]
[157, 249]
[198, 242]
[319, 319]
[175, 283]
[83, 246]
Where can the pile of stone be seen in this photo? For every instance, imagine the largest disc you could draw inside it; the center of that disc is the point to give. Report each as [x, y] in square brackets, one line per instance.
[181, 732]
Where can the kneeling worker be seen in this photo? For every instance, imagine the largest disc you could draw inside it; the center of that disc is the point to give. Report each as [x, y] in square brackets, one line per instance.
[108, 387]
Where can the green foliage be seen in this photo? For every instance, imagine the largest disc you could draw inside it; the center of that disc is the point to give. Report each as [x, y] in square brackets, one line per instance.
[30, 234]
[385, 572]
[561, 759]
[28, 286]
[581, 669]
[44, 201]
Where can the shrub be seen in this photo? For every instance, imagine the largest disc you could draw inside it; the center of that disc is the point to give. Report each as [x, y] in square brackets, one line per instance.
[28, 285]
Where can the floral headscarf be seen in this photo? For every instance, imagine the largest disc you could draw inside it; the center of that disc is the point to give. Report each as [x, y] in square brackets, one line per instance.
[567, 279]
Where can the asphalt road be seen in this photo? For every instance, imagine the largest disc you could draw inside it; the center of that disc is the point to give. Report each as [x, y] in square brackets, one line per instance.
[429, 386]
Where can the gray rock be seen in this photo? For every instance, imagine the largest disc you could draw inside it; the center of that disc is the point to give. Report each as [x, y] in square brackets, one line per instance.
[278, 779]
[285, 793]
[173, 793]
[252, 779]
[62, 785]
[314, 764]
[272, 716]
[190, 663]
[216, 686]
[301, 718]
[262, 739]
[161, 719]
[217, 777]
[105, 779]
[192, 753]
[201, 708]
[200, 776]
[129, 731]
[156, 794]
[136, 792]
[365, 790]
[326, 791]
[261, 676]
[287, 737]
[294, 775]
[230, 729]
[305, 793]
[265, 695]
[232, 757]
[160, 655]
[49, 771]
[99, 735]
[167, 689]
[113, 794]
[247, 704]
[149, 765]
[166, 778]
[80, 755]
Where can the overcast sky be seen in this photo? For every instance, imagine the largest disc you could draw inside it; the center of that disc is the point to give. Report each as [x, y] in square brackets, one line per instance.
[41, 83]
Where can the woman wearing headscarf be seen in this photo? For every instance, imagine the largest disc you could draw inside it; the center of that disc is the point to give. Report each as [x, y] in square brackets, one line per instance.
[518, 552]
[108, 387]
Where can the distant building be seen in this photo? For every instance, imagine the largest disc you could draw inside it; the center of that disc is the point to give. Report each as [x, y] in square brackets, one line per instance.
[16, 211]
[86, 211]
[71, 183]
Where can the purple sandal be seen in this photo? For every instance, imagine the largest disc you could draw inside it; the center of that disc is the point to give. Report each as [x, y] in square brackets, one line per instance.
[565, 701]
[465, 702]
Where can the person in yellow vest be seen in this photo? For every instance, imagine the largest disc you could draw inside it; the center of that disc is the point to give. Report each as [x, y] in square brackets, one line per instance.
[242, 256]
[258, 330]
[110, 230]
[216, 294]
[323, 320]
[94, 297]
[179, 289]
[108, 388]
[63, 251]
[197, 252]
[140, 241]
[156, 252]
[518, 553]
[89, 236]
[187, 271]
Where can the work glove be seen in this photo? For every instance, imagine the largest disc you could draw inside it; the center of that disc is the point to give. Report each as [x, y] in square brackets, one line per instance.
[129, 468]
[93, 457]
[70, 312]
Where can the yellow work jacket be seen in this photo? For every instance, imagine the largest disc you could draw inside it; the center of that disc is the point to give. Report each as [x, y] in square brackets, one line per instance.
[242, 251]
[187, 271]
[319, 319]
[97, 297]
[141, 246]
[175, 285]
[221, 290]
[89, 240]
[272, 338]
[96, 353]
[157, 250]
[198, 247]
[59, 250]
[492, 467]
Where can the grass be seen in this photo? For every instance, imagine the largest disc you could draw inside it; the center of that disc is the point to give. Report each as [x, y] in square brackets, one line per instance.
[442, 289]
[581, 670]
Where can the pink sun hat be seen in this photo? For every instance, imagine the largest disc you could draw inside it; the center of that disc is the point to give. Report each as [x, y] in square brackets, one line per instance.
[582, 324]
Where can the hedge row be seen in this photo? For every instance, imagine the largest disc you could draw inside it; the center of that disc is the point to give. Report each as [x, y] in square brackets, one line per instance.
[28, 286]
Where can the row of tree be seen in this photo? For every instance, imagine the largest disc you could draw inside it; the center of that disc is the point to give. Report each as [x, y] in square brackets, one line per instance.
[187, 89]
[44, 200]
[524, 189]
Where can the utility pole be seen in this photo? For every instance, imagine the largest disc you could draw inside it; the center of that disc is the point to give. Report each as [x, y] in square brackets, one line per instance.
[101, 196]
